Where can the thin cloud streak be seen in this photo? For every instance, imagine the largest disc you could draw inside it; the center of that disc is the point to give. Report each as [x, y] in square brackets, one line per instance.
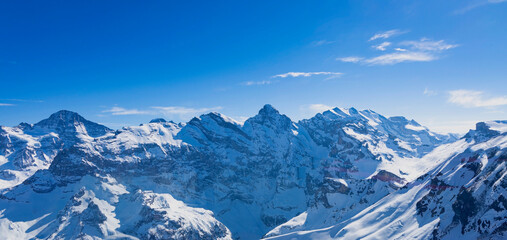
[386, 34]
[382, 47]
[322, 42]
[423, 50]
[429, 92]
[177, 110]
[477, 4]
[310, 110]
[394, 58]
[21, 100]
[183, 113]
[305, 74]
[253, 83]
[6, 104]
[124, 111]
[351, 59]
[427, 45]
[471, 98]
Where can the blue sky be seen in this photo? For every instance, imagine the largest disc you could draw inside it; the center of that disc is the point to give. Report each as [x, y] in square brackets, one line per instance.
[442, 63]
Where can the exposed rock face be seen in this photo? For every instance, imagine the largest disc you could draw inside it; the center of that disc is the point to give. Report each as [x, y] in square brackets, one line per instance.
[269, 175]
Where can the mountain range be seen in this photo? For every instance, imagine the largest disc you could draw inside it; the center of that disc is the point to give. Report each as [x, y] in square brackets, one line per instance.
[342, 174]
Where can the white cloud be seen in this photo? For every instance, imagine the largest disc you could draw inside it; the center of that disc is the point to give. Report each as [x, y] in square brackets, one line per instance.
[123, 111]
[309, 110]
[398, 57]
[427, 45]
[319, 107]
[184, 112]
[423, 50]
[305, 74]
[386, 34]
[252, 83]
[383, 46]
[6, 104]
[429, 92]
[350, 59]
[470, 98]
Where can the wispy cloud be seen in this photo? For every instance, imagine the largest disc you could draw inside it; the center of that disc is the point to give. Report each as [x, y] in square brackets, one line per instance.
[382, 47]
[423, 50]
[305, 74]
[386, 34]
[471, 98]
[253, 83]
[427, 45]
[179, 112]
[429, 92]
[322, 42]
[184, 112]
[351, 59]
[6, 104]
[330, 75]
[475, 4]
[21, 100]
[393, 58]
[318, 107]
[312, 109]
[124, 111]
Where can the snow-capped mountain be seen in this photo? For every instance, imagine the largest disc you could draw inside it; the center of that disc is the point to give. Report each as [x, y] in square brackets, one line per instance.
[213, 178]
[27, 148]
[462, 196]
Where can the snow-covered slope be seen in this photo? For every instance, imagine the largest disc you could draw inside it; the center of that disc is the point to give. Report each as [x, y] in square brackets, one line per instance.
[211, 177]
[461, 196]
[96, 207]
[27, 148]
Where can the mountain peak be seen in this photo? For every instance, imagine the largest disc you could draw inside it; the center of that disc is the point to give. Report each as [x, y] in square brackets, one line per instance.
[485, 130]
[269, 115]
[65, 114]
[66, 121]
[353, 111]
[268, 110]
[61, 117]
[158, 120]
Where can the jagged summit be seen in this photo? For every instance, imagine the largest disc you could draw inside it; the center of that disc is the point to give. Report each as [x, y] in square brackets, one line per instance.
[345, 113]
[65, 121]
[158, 120]
[268, 115]
[268, 110]
[62, 116]
[251, 178]
[484, 130]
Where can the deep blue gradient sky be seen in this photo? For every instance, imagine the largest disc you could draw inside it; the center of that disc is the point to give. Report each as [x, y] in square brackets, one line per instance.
[126, 62]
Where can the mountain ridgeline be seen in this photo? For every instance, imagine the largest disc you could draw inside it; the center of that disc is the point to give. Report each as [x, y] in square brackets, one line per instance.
[342, 174]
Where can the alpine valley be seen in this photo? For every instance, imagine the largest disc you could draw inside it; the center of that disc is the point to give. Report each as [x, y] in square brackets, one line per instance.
[342, 174]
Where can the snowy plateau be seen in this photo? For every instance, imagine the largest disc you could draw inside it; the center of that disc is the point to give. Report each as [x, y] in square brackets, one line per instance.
[342, 174]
